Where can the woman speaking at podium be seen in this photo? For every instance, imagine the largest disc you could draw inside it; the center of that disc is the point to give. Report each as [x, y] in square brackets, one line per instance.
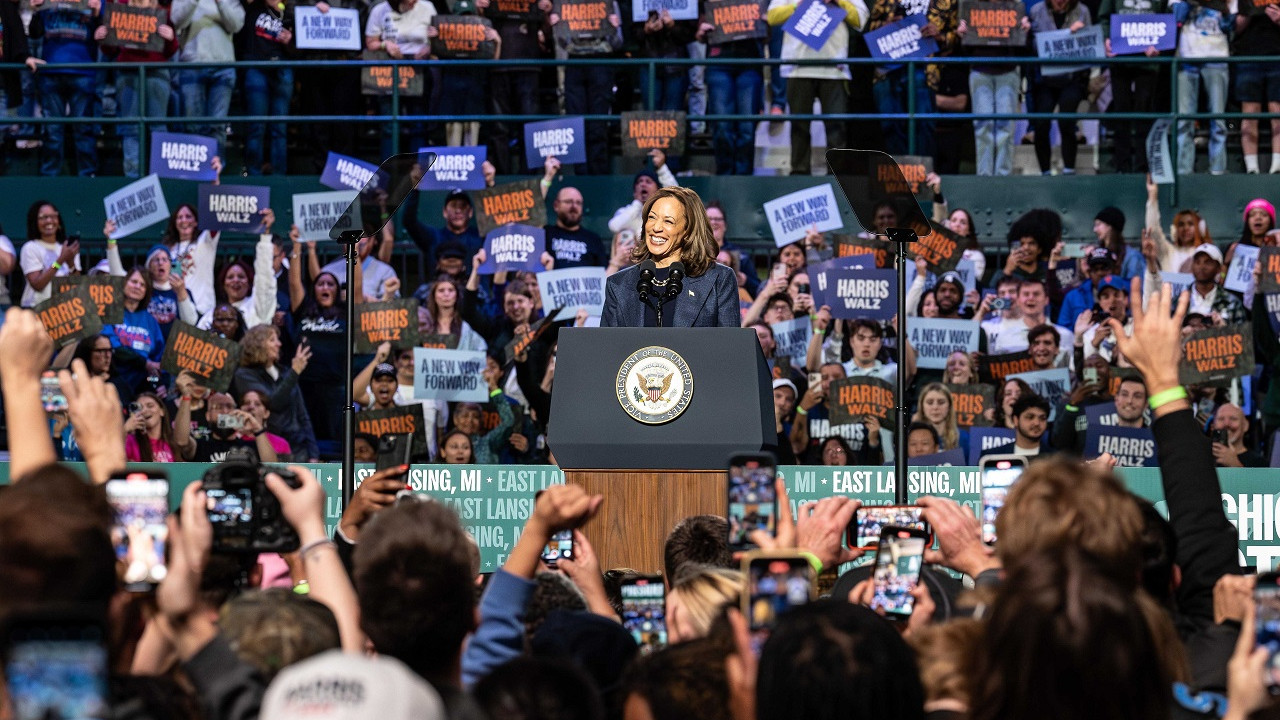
[675, 281]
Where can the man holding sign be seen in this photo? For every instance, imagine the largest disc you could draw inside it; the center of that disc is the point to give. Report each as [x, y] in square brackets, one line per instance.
[150, 99]
[935, 27]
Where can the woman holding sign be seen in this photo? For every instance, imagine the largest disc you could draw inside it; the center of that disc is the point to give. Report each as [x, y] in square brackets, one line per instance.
[676, 236]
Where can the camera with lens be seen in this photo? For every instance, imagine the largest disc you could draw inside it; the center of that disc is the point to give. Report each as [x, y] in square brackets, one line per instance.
[245, 514]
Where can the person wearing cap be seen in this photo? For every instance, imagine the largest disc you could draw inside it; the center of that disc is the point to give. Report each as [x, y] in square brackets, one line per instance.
[1097, 337]
[170, 300]
[372, 687]
[646, 182]
[784, 406]
[387, 382]
[568, 242]
[1108, 228]
[1208, 297]
[1099, 263]
[1259, 223]
[458, 230]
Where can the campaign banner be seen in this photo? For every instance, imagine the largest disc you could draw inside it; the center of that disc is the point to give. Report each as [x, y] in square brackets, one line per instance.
[563, 138]
[995, 368]
[1053, 385]
[818, 276]
[462, 37]
[941, 249]
[1063, 44]
[583, 23]
[1249, 8]
[791, 338]
[512, 9]
[1240, 272]
[393, 321]
[379, 79]
[207, 355]
[1133, 34]
[1159, 161]
[1273, 310]
[1131, 447]
[512, 248]
[780, 367]
[449, 375]
[993, 23]
[107, 292]
[316, 213]
[401, 420]
[573, 289]
[791, 215]
[1067, 272]
[1269, 274]
[136, 206]
[519, 345]
[70, 316]
[455, 167]
[438, 341]
[232, 208]
[180, 156]
[346, 173]
[517, 202]
[1179, 281]
[857, 293]
[734, 20]
[1217, 354]
[982, 439]
[813, 22]
[137, 28]
[934, 339]
[971, 403]
[915, 170]
[901, 40]
[947, 458]
[854, 245]
[643, 131]
[851, 400]
[338, 29]
[678, 9]
[964, 268]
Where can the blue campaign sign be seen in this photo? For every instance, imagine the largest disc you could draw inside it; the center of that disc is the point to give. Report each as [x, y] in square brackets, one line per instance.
[564, 138]
[818, 279]
[183, 157]
[512, 248]
[954, 456]
[859, 293]
[1133, 34]
[1131, 447]
[900, 40]
[813, 22]
[985, 438]
[346, 173]
[455, 167]
[232, 208]
[1101, 414]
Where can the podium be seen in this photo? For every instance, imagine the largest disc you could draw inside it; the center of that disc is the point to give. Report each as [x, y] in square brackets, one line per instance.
[654, 473]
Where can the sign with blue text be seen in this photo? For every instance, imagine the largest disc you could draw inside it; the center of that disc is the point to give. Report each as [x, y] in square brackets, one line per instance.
[183, 157]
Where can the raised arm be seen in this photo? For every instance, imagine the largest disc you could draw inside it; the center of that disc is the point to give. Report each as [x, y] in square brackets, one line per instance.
[25, 350]
[360, 386]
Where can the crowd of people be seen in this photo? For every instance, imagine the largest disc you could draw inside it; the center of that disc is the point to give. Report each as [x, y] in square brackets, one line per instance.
[46, 34]
[1091, 604]
[285, 310]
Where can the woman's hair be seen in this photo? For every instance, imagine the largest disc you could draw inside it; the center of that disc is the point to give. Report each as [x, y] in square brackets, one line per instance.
[705, 592]
[948, 378]
[698, 247]
[924, 296]
[240, 330]
[1042, 225]
[1023, 390]
[1202, 227]
[253, 352]
[219, 283]
[146, 285]
[1064, 640]
[943, 652]
[263, 396]
[1246, 235]
[33, 221]
[972, 237]
[274, 628]
[950, 434]
[838, 440]
[433, 308]
[84, 350]
[312, 308]
[171, 236]
[685, 680]
[439, 458]
[166, 430]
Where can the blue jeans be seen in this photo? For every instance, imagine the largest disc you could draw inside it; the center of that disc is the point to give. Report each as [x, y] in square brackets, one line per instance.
[152, 103]
[993, 139]
[1215, 77]
[267, 92]
[67, 95]
[777, 83]
[891, 97]
[734, 90]
[669, 94]
[697, 84]
[207, 93]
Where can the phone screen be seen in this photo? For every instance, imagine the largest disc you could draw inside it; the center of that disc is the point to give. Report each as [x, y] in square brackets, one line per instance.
[140, 503]
[560, 546]
[897, 572]
[753, 500]
[644, 612]
[870, 520]
[230, 509]
[998, 475]
[1266, 596]
[774, 586]
[51, 393]
[57, 671]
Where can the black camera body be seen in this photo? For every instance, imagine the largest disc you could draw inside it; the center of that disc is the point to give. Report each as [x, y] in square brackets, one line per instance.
[245, 514]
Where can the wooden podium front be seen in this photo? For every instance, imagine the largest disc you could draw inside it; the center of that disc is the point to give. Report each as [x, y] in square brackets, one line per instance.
[641, 507]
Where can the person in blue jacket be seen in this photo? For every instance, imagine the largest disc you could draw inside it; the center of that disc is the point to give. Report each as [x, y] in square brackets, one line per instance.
[139, 332]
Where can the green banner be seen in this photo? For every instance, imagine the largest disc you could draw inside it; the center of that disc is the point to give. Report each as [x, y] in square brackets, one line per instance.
[495, 500]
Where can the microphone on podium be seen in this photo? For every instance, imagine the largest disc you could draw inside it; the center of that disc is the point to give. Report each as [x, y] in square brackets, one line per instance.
[644, 285]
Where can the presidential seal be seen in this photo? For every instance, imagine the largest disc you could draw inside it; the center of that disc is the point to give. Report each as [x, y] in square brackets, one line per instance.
[654, 385]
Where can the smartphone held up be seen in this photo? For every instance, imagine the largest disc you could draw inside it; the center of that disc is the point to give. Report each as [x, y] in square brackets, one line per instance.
[140, 504]
[644, 611]
[999, 473]
[753, 498]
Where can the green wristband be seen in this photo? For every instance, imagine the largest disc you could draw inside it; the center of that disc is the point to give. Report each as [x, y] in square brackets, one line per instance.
[813, 560]
[1166, 397]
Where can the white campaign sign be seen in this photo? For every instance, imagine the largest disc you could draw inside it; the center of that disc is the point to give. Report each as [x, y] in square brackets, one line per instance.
[338, 29]
[449, 375]
[136, 206]
[315, 213]
[934, 339]
[1240, 274]
[573, 289]
[791, 215]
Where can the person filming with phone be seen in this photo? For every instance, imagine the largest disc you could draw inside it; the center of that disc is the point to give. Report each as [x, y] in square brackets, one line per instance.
[1227, 431]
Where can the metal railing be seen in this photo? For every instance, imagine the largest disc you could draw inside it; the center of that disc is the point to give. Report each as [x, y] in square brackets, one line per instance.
[651, 66]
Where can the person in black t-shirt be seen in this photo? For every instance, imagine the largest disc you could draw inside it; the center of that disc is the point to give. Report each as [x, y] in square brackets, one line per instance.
[221, 408]
[570, 243]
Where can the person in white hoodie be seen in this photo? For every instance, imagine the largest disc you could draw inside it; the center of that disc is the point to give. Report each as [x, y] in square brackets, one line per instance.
[205, 30]
[827, 83]
[1203, 34]
[258, 305]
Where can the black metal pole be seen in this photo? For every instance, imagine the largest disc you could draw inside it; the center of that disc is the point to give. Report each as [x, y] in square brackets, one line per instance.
[900, 434]
[347, 482]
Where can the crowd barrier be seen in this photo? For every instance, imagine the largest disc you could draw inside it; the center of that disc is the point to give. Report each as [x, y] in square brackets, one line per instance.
[495, 500]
